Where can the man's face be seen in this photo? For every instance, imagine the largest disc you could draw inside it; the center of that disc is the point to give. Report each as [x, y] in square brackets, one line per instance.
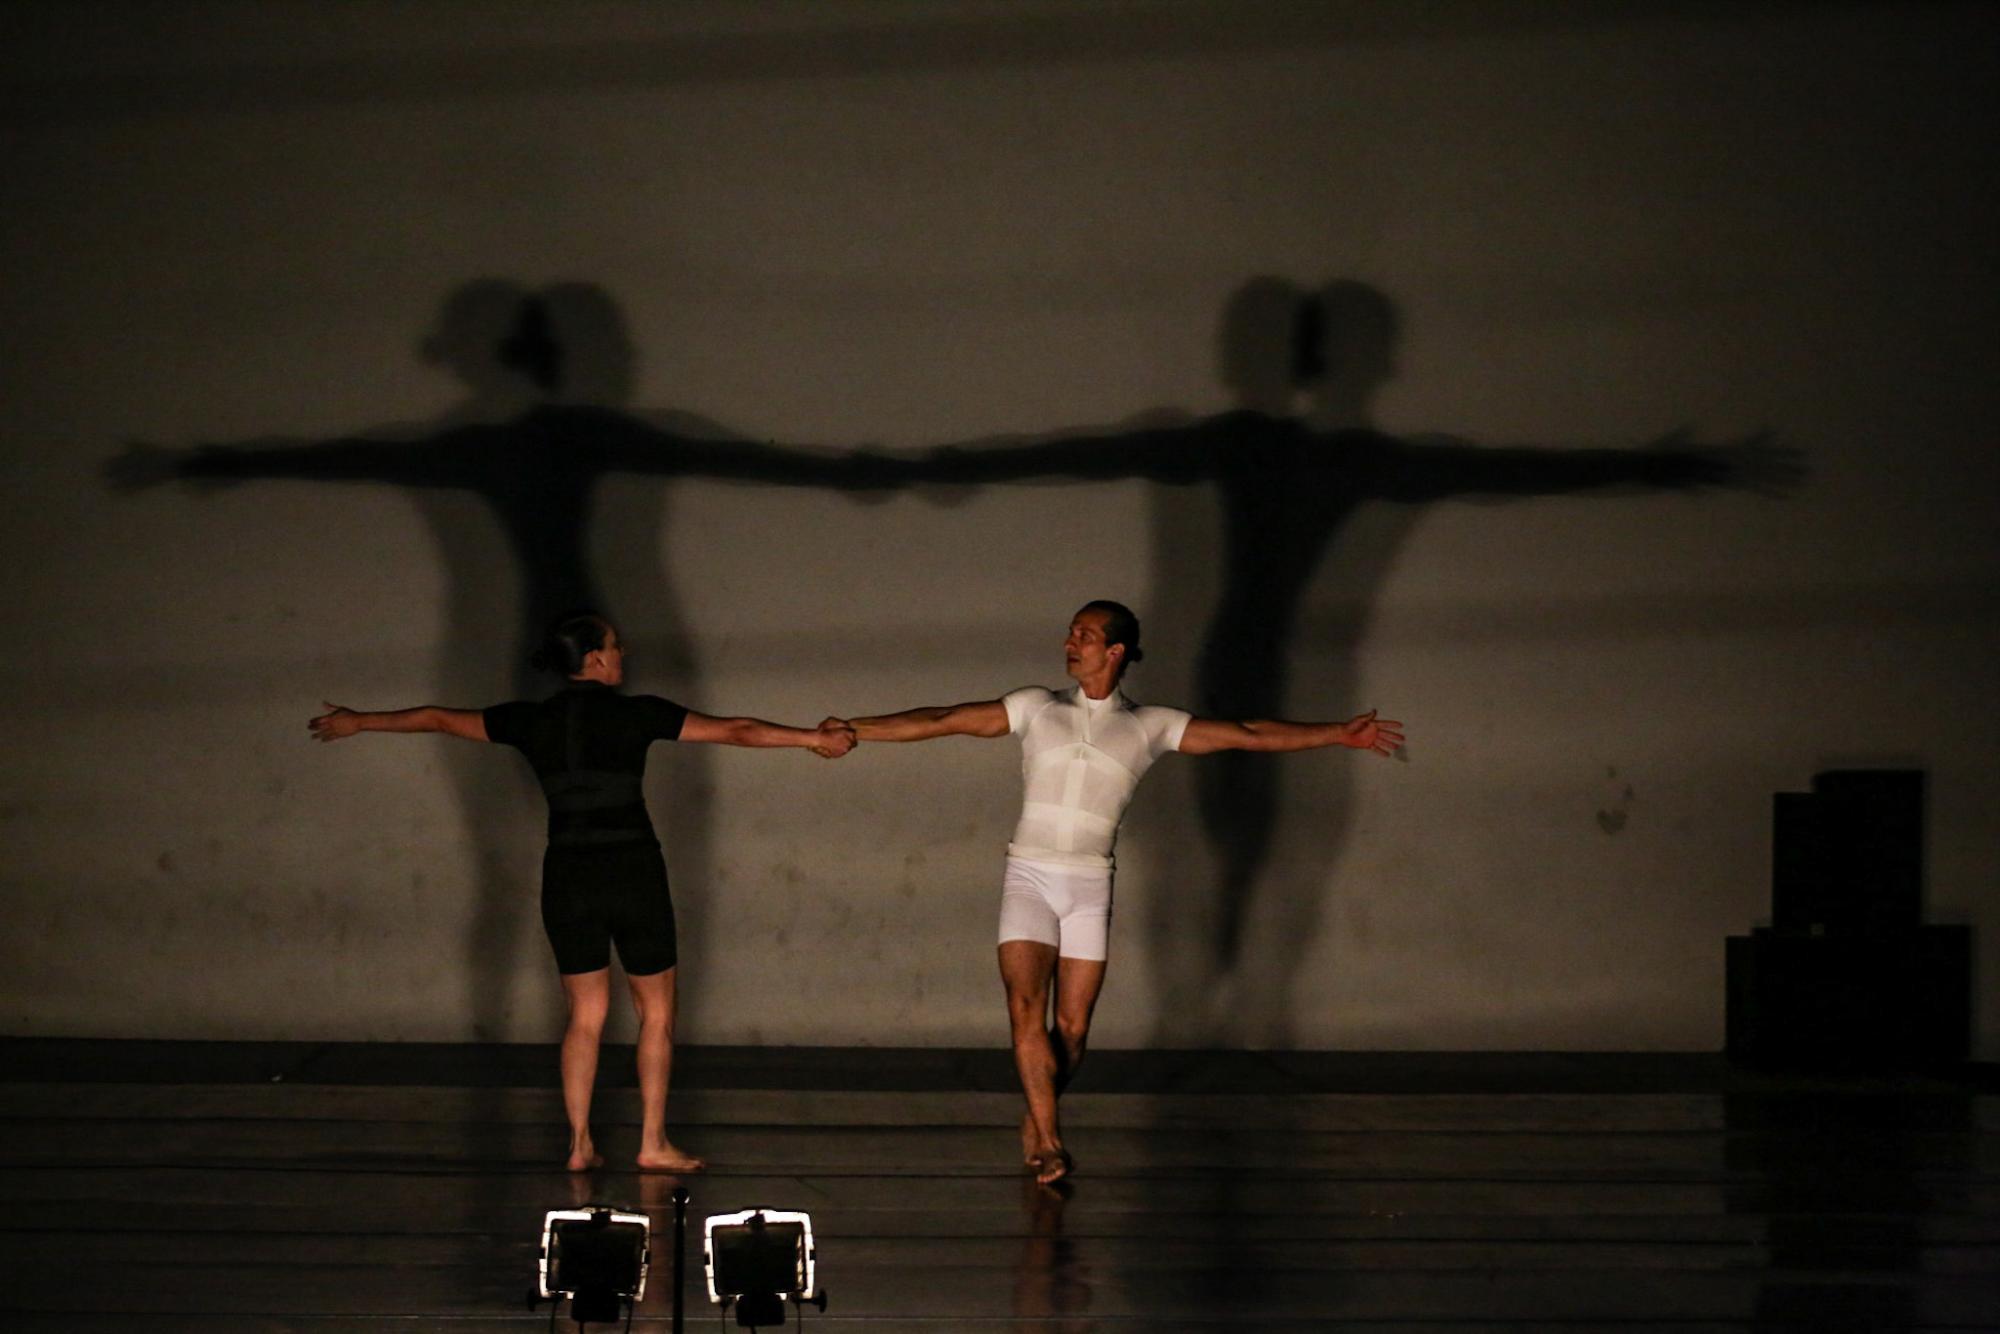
[1085, 653]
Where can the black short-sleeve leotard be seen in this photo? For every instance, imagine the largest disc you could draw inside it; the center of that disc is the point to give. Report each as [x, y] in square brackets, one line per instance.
[604, 880]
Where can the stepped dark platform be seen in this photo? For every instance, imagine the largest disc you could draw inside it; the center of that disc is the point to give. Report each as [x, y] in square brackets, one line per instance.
[338, 1186]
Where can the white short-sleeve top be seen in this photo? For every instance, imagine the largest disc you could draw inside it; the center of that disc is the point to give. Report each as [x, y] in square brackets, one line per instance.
[1081, 760]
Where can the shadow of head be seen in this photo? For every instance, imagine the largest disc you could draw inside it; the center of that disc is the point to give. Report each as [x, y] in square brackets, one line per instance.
[507, 345]
[1256, 344]
[598, 362]
[1275, 339]
[473, 323]
[1346, 348]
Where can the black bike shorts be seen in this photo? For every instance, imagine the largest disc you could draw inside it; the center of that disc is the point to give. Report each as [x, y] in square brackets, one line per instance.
[593, 898]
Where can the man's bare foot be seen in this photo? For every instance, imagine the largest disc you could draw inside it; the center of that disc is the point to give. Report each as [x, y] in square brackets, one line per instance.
[582, 1155]
[1030, 1142]
[1052, 1166]
[664, 1157]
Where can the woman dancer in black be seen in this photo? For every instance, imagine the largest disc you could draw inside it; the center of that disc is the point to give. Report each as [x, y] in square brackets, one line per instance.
[604, 881]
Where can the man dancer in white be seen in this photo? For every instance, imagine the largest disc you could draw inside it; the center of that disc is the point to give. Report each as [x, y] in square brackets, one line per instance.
[1083, 752]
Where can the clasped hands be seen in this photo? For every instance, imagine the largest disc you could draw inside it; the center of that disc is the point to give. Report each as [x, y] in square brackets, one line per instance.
[836, 738]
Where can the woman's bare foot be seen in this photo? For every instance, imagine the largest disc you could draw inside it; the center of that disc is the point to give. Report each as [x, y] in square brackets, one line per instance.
[583, 1156]
[664, 1157]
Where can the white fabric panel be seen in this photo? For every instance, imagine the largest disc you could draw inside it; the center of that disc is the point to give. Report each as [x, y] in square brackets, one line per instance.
[1081, 761]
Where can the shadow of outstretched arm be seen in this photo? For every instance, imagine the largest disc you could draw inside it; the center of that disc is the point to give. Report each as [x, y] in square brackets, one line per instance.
[572, 441]
[437, 460]
[620, 443]
[1178, 452]
[1428, 468]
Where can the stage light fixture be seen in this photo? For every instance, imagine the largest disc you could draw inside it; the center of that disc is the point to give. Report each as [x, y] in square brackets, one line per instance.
[597, 1257]
[757, 1259]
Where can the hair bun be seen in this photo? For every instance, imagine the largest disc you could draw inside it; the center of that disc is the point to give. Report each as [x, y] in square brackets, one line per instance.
[569, 640]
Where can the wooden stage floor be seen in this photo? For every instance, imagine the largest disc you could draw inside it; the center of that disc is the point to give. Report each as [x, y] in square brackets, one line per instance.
[330, 1187]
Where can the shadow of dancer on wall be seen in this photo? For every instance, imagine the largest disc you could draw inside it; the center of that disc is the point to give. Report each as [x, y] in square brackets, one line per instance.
[1274, 508]
[545, 417]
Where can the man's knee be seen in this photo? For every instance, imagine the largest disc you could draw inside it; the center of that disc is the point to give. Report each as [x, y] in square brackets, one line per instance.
[1025, 1012]
[1073, 1030]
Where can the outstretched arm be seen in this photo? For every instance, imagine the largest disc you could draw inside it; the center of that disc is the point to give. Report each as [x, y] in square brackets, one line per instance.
[337, 722]
[830, 740]
[987, 718]
[1205, 736]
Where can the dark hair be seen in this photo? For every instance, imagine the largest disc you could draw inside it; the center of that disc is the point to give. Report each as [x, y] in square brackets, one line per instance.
[1120, 627]
[569, 639]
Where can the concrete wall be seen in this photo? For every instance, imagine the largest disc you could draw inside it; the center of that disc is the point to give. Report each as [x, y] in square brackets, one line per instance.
[905, 224]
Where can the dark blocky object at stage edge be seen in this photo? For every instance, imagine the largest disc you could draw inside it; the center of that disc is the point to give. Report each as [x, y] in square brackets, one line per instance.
[1847, 976]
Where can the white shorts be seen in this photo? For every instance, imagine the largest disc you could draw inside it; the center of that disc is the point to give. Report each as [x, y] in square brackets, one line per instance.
[1068, 907]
